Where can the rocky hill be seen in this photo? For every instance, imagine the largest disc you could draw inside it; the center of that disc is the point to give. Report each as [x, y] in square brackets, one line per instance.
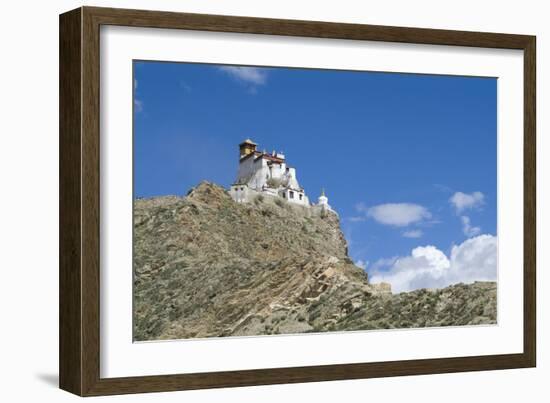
[207, 266]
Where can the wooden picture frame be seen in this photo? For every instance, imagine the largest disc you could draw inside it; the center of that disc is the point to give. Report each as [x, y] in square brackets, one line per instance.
[79, 280]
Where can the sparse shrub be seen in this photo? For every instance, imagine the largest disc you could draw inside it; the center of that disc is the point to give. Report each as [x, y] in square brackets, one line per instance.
[279, 202]
[314, 315]
[266, 212]
[175, 313]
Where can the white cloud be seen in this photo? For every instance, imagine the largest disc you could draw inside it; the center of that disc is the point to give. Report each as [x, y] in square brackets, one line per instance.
[467, 227]
[396, 214]
[362, 264]
[357, 218]
[186, 87]
[361, 207]
[464, 201]
[384, 262]
[250, 75]
[442, 188]
[428, 267]
[138, 105]
[415, 233]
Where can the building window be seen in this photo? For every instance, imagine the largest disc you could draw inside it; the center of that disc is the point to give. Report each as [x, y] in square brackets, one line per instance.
[301, 196]
[284, 195]
[291, 195]
[242, 189]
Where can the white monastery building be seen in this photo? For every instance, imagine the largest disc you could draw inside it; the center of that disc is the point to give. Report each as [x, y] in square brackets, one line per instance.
[262, 173]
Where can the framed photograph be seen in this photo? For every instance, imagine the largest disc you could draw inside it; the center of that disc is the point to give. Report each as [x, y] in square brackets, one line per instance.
[249, 201]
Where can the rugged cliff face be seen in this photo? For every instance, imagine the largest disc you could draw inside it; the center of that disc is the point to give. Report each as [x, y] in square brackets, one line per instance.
[207, 266]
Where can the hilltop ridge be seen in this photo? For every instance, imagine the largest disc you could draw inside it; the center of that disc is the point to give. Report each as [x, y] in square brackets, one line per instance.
[207, 266]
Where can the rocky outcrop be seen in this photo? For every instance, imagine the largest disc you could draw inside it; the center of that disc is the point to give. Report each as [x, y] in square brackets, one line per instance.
[207, 266]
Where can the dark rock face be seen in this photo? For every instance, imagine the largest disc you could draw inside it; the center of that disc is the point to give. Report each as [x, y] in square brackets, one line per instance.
[206, 266]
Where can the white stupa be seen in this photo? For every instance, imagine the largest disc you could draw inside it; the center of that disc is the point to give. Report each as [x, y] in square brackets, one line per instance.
[323, 201]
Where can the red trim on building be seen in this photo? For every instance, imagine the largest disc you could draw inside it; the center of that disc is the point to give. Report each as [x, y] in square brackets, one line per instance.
[271, 158]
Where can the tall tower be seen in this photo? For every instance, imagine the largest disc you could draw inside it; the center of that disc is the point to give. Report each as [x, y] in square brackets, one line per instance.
[247, 147]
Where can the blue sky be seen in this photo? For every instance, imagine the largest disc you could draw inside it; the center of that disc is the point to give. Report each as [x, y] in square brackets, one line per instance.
[407, 160]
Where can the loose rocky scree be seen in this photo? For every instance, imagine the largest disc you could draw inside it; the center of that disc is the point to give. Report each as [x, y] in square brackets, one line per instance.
[206, 266]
